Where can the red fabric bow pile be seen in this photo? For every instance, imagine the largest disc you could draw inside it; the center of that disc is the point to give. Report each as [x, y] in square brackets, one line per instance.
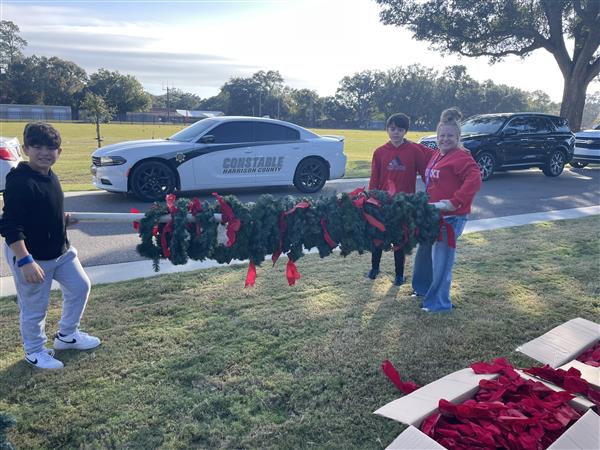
[508, 412]
[591, 356]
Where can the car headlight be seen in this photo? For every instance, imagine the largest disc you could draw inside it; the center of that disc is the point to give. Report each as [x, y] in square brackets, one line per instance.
[112, 160]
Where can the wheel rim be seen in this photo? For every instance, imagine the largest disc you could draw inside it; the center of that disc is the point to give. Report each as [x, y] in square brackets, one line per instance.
[486, 166]
[311, 175]
[557, 163]
[153, 181]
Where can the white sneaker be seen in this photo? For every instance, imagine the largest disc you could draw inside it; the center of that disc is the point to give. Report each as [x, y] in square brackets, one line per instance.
[75, 341]
[44, 359]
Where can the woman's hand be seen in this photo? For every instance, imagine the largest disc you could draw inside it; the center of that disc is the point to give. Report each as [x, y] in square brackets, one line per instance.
[444, 205]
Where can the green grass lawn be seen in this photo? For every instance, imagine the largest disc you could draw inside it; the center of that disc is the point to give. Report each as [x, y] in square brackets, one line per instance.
[195, 361]
[73, 167]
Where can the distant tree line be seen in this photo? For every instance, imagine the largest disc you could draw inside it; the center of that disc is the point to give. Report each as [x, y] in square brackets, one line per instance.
[360, 99]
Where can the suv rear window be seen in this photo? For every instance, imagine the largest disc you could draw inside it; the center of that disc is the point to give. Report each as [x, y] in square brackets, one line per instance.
[561, 124]
[483, 124]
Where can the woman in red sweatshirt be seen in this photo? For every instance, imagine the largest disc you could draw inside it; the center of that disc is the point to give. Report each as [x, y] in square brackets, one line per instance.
[452, 179]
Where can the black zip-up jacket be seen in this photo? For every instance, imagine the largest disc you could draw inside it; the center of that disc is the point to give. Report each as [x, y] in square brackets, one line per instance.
[34, 212]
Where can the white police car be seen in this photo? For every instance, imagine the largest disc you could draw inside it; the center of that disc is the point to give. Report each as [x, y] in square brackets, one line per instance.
[218, 153]
[10, 156]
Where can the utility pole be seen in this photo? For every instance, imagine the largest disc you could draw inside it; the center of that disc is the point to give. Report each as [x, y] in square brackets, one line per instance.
[168, 102]
[260, 103]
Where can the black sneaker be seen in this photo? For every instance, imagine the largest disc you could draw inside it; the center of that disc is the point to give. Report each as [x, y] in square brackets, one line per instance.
[399, 280]
[373, 274]
[415, 294]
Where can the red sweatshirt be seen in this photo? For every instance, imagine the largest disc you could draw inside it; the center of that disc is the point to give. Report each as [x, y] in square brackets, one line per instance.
[454, 176]
[394, 169]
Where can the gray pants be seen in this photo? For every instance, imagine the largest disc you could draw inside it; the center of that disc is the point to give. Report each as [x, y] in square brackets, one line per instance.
[33, 298]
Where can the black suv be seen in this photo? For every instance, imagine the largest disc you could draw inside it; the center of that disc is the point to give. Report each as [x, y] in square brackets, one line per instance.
[516, 141]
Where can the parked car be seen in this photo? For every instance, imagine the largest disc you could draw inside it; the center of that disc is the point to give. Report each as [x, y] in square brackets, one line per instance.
[10, 156]
[221, 152]
[587, 147]
[516, 141]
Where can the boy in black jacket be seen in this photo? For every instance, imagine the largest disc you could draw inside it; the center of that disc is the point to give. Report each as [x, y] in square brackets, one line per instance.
[38, 251]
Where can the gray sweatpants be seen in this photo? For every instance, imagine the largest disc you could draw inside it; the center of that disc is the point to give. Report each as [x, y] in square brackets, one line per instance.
[33, 298]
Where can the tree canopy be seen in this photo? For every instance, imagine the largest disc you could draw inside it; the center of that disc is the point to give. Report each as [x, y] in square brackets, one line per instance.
[497, 28]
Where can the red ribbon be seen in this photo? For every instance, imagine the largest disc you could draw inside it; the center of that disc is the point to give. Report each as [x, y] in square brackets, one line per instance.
[449, 232]
[232, 223]
[136, 224]
[283, 227]
[195, 207]
[170, 199]
[405, 238]
[359, 199]
[164, 242]
[291, 272]
[591, 356]
[390, 371]
[251, 276]
[326, 234]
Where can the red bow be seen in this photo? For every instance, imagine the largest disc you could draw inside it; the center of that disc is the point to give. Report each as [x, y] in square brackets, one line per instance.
[291, 272]
[390, 371]
[136, 224]
[449, 232]
[232, 223]
[359, 197]
[326, 234]
[283, 227]
[251, 275]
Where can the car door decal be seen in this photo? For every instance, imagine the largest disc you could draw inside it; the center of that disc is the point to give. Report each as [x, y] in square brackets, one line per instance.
[179, 157]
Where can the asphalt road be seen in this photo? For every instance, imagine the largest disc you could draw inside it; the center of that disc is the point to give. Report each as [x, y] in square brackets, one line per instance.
[507, 193]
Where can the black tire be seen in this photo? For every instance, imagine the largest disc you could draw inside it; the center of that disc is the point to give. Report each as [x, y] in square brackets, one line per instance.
[311, 175]
[578, 165]
[486, 163]
[152, 180]
[555, 164]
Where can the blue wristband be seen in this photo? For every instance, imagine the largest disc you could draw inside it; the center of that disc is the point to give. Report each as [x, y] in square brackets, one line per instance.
[24, 261]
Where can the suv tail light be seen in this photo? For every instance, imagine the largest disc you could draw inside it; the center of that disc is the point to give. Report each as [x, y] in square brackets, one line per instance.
[6, 154]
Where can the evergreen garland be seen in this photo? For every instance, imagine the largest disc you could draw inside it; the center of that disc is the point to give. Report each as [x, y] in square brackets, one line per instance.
[355, 222]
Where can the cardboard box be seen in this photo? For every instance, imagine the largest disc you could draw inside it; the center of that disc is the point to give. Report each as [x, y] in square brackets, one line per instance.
[457, 387]
[563, 343]
[416, 406]
[583, 434]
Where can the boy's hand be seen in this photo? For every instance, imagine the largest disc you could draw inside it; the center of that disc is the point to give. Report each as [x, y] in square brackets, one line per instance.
[33, 273]
[70, 221]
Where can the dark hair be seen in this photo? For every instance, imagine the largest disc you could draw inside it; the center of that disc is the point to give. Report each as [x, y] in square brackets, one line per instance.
[400, 120]
[41, 134]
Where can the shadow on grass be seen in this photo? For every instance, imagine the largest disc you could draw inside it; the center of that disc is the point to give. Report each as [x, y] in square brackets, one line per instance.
[193, 360]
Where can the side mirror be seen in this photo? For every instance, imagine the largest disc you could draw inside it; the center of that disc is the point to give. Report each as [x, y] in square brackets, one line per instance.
[208, 139]
[509, 132]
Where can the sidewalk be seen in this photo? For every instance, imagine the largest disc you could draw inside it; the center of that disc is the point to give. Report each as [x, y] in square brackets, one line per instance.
[111, 273]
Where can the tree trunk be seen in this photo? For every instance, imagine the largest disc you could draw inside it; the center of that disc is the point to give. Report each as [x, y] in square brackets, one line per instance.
[98, 138]
[573, 100]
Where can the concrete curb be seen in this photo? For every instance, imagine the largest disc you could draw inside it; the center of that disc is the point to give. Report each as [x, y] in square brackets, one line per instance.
[111, 273]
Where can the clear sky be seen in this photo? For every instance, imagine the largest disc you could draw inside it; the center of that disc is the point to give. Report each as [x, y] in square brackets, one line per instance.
[197, 45]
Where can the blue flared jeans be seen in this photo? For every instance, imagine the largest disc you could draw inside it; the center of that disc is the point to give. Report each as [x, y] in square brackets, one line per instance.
[432, 273]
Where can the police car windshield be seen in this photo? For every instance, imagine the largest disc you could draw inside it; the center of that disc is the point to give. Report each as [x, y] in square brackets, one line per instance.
[193, 131]
[482, 125]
